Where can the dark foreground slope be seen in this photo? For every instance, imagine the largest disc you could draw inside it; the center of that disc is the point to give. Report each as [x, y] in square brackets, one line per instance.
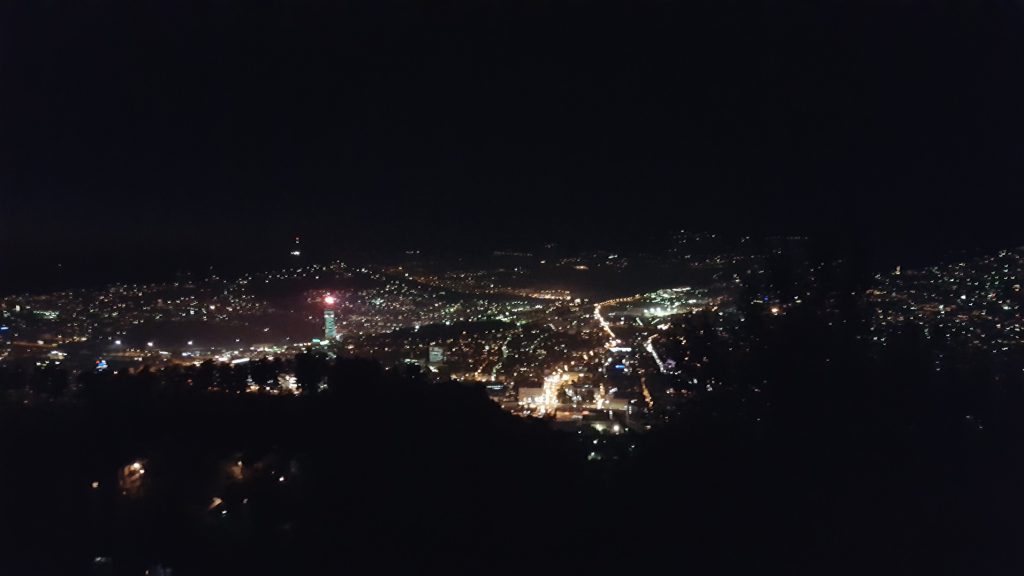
[825, 452]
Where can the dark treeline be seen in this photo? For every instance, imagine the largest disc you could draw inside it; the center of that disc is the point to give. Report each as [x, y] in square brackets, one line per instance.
[376, 465]
[821, 451]
[827, 452]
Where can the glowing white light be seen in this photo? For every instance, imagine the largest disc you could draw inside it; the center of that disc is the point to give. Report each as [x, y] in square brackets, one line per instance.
[330, 300]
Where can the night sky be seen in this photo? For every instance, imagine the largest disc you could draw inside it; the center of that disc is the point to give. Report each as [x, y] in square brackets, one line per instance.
[164, 134]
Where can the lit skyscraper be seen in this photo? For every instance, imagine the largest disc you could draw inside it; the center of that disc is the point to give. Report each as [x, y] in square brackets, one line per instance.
[330, 331]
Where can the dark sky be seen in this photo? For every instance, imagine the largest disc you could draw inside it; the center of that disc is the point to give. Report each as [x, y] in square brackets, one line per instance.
[160, 133]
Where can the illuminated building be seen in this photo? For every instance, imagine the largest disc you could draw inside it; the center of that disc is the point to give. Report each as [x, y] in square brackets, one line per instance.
[436, 355]
[330, 330]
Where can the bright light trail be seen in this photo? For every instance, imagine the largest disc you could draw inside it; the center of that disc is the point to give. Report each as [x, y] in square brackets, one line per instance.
[649, 345]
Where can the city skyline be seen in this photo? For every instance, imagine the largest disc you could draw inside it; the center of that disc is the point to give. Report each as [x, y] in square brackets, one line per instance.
[316, 287]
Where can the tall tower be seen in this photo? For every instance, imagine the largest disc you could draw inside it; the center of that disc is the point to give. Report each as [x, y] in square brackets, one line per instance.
[297, 248]
[330, 330]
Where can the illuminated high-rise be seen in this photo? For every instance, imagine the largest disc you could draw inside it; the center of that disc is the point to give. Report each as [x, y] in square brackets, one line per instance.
[330, 331]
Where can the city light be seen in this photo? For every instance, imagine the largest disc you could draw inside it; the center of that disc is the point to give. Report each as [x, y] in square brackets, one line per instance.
[512, 339]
